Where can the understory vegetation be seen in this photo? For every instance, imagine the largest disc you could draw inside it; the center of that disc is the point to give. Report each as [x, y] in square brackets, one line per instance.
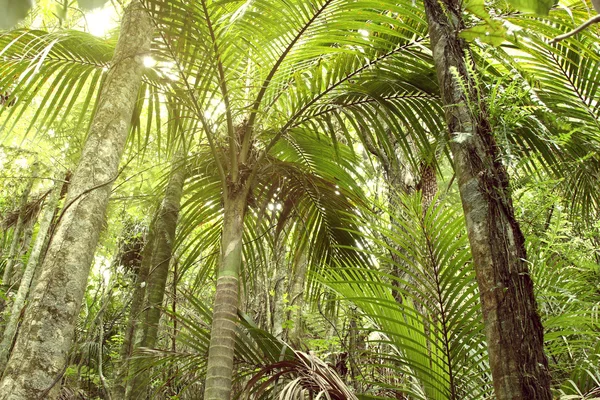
[299, 199]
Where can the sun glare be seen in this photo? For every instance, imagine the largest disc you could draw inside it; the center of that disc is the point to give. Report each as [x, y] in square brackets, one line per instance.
[101, 20]
[149, 62]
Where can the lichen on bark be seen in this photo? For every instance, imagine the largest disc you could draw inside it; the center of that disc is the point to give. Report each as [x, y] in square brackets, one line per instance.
[42, 346]
[512, 325]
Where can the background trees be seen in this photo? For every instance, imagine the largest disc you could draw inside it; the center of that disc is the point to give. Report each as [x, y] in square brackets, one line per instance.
[293, 110]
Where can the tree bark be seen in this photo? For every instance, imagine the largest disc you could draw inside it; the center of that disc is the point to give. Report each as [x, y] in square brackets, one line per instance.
[219, 368]
[512, 325]
[135, 310]
[32, 264]
[40, 353]
[297, 279]
[162, 253]
[428, 185]
[26, 244]
[278, 283]
[15, 246]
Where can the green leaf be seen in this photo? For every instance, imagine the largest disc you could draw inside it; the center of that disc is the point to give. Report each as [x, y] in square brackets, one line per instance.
[477, 7]
[540, 7]
[491, 32]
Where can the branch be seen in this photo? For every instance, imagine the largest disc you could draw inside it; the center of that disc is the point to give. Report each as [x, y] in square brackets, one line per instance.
[593, 20]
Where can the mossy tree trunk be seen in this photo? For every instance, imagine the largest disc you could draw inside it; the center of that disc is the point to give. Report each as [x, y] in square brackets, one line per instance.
[512, 325]
[32, 264]
[161, 251]
[135, 311]
[42, 346]
[14, 253]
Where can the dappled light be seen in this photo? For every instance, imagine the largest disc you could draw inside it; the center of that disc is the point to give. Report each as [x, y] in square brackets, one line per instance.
[299, 200]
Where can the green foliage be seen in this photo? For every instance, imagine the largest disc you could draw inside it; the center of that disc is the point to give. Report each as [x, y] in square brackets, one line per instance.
[540, 7]
[435, 333]
[317, 78]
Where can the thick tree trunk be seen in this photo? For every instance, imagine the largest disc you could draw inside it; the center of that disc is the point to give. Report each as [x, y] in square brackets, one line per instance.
[14, 253]
[32, 264]
[219, 369]
[40, 353]
[162, 253]
[512, 325]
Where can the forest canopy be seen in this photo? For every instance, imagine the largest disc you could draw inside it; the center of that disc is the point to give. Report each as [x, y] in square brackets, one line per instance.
[300, 199]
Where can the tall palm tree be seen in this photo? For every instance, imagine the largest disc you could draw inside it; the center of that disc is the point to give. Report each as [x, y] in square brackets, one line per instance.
[154, 280]
[257, 77]
[436, 350]
[258, 70]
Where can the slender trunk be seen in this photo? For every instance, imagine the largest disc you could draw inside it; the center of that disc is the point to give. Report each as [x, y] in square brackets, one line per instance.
[173, 370]
[400, 182]
[356, 347]
[52, 228]
[279, 295]
[40, 353]
[15, 246]
[513, 328]
[135, 310]
[162, 253]
[219, 368]
[3, 244]
[105, 299]
[298, 280]
[427, 185]
[17, 307]
[26, 243]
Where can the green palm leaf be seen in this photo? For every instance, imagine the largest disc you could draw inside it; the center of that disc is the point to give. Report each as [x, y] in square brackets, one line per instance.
[435, 334]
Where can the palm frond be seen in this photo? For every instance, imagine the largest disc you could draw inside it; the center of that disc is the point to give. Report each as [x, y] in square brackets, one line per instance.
[435, 333]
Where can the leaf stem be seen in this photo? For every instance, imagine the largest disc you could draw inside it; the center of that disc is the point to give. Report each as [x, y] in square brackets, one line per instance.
[593, 20]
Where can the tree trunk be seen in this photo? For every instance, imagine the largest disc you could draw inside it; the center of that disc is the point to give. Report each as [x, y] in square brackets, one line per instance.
[512, 325]
[17, 307]
[26, 244]
[219, 368]
[427, 185]
[278, 284]
[40, 353]
[162, 253]
[297, 281]
[135, 310]
[15, 246]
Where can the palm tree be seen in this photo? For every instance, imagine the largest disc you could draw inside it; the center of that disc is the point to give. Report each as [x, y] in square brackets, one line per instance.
[257, 70]
[258, 78]
[160, 252]
[436, 350]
